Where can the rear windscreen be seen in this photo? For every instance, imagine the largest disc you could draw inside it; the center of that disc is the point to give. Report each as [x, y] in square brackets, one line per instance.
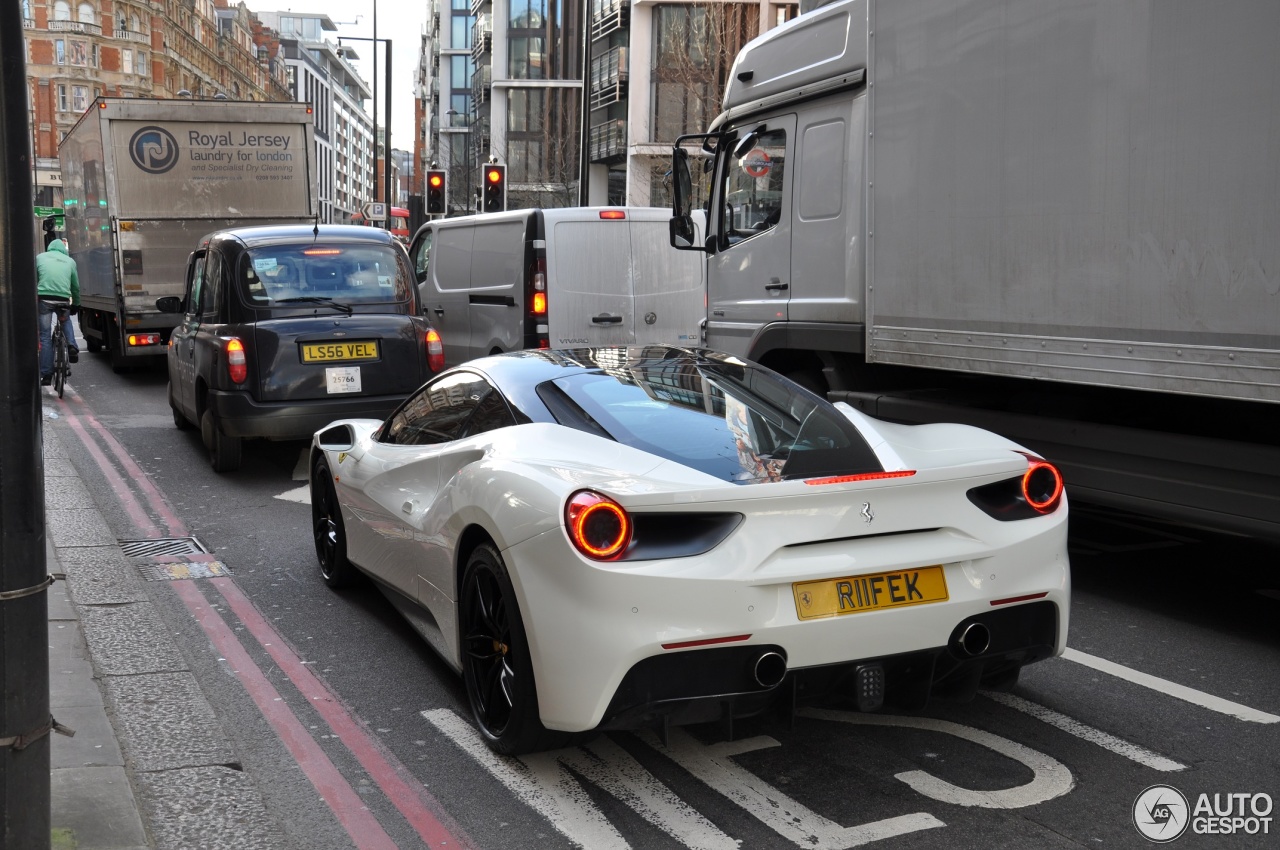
[284, 275]
[739, 423]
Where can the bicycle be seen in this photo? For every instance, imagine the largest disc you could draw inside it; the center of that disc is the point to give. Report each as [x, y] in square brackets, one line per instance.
[57, 339]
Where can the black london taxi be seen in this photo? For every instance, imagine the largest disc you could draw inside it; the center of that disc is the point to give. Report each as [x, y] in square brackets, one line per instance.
[286, 328]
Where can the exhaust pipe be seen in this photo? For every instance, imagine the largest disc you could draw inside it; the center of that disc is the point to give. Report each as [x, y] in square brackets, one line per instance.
[974, 640]
[770, 669]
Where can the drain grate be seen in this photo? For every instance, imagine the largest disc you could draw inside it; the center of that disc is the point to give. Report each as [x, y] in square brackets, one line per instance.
[173, 558]
[162, 546]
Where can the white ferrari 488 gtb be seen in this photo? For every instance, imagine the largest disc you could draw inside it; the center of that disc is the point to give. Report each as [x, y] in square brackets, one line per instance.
[630, 537]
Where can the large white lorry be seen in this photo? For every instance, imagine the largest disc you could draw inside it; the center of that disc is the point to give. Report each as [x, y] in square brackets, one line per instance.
[144, 179]
[1057, 219]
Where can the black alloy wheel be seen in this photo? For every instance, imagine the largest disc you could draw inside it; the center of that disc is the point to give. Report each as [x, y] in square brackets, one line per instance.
[328, 530]
[496, 665]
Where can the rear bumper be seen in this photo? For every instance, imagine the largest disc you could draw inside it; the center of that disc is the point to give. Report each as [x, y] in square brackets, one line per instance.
[239, 415]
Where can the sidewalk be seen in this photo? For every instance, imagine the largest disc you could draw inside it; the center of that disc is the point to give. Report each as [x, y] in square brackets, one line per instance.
[149, 767]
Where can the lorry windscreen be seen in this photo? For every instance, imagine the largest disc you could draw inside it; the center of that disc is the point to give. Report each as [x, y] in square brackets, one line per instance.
[293, 274]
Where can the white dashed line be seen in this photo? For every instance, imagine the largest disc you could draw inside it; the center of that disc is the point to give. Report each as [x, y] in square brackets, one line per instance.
[1087, 733]
[1164, 686]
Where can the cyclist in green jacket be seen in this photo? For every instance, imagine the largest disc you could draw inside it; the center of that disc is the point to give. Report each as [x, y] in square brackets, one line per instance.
[56, 280]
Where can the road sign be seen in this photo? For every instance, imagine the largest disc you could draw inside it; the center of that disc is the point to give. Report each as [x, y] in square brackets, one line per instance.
[375, 212]
[42, 212]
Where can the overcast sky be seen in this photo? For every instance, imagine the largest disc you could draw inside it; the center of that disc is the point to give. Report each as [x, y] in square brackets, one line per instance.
[401, 21]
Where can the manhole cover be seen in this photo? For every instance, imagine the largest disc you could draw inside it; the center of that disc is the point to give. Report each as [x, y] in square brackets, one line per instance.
[172, 558]
[162, 546]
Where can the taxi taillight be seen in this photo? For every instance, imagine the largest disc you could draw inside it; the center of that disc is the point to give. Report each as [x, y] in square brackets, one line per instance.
[237, 362]
[435, 350]
[598, 526]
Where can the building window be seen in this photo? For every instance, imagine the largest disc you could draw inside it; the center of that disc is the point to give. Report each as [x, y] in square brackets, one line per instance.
[79, 98]
[95, 58]
[460, 37]
[525, 109]
[62, 98]
[527, 59]
[126, 60]
[62, 11]
[59, 51]
[141, 64]
[84, 14]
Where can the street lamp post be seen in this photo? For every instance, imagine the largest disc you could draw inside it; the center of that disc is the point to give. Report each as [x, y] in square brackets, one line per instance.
[386, 167]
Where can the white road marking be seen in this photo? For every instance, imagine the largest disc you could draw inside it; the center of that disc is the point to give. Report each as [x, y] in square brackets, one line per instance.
[542, 782]
[1087, 733]
[1051, 778]
[785, 816]
[301, 495]
[1164, 686]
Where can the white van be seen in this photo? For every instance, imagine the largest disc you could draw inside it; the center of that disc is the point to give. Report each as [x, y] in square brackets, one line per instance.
[557, 278]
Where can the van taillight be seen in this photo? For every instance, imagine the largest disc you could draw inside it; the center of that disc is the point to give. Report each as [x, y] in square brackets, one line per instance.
[536, 301]
[237, 363]
[539, 307]
[613, 215]
[435, 351]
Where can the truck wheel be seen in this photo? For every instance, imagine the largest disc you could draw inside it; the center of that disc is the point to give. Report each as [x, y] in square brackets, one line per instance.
[114, 355]
[91, 342]
[224, 451]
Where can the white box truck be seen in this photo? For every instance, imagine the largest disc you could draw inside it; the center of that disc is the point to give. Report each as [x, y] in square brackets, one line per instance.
[144, 179]
[1057, 219]
[556, 278]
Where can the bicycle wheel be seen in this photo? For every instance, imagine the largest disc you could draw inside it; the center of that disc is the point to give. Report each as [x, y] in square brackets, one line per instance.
[60, 367]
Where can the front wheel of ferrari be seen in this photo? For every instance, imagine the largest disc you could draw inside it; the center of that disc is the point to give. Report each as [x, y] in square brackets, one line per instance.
[328, 530]
[496, 665]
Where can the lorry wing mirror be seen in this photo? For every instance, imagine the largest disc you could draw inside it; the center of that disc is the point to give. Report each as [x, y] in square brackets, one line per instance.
[681, 182]
[747, 143]
[683, 234]
[169, 304]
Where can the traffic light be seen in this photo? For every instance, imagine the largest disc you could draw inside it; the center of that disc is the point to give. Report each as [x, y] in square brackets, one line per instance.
[437, 192]
[495, 187]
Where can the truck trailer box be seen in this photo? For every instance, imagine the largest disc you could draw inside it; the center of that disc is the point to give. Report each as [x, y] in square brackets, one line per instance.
[1034, 217]
[557, 278]
[145, 179]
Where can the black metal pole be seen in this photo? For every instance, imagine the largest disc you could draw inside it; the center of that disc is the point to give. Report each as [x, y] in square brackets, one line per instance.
[584, 150]
[386, 131]
[24, 604]
[387, 221]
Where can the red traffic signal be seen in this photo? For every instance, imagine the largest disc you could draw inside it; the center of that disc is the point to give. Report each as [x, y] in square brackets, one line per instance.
[495, 188]
[437, 194]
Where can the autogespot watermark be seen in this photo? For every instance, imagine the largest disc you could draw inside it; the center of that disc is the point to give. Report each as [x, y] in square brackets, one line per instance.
[1162, 813]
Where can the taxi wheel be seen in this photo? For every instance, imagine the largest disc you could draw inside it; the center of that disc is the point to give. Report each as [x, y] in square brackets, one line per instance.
[224, 451]
[496, 665]
[328, 530]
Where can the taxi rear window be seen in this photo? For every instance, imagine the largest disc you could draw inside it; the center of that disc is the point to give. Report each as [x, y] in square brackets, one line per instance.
[285, 275]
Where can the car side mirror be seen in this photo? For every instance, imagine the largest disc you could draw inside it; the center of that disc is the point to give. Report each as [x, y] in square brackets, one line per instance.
[169, 304]
[339, 438]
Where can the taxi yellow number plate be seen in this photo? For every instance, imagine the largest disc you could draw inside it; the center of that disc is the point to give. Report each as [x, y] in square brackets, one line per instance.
[339, 352]
[852, 595]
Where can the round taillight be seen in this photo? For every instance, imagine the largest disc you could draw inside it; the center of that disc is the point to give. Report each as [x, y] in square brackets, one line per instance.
[237, 363]
[1042, 486]
[599, 527]
[435, 351]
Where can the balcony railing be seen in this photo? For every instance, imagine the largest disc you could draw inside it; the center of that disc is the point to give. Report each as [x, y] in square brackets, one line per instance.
[130, 35]
[608, 16]
[481, 82]
[608, 141]
[609, 77]
[481, 36]
[75, 26]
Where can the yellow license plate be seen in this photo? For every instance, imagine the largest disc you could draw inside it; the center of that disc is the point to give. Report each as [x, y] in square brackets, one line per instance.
[338, 352]
[839, 596]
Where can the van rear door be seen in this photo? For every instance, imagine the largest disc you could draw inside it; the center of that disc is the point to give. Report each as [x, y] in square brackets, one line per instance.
[445, 286]
[589, 297]
[667, 284]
